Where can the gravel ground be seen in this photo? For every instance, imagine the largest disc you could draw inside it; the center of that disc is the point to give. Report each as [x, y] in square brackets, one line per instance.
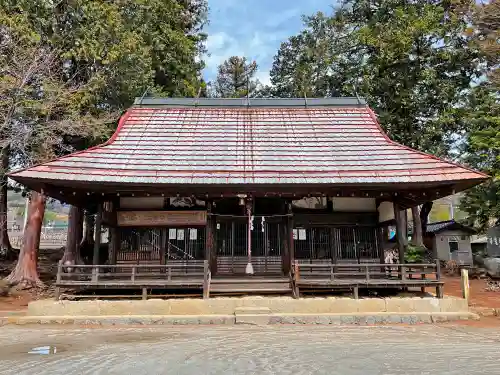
[422, 349]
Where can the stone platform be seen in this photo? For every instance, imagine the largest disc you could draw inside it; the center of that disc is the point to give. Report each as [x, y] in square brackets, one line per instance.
[246, 310]
[228, 306]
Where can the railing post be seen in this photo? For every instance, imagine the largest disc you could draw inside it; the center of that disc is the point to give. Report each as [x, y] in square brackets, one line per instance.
[423, 277]
[59, 271]
[367, 272]
[206, 281]
[133, 274]
[295, 279]
[403, 271]
[169, 274]
[296, 270]
[465, 283]
[439, 288]
[332, 272]
[95, 273]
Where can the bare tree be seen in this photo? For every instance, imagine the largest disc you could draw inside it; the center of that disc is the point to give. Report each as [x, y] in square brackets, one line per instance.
[41, 114]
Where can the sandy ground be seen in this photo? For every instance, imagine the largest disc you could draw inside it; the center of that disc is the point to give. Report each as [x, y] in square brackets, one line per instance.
[479, 296]
[276, 350]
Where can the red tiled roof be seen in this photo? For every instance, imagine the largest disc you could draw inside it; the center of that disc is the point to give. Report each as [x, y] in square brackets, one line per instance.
[327, 144]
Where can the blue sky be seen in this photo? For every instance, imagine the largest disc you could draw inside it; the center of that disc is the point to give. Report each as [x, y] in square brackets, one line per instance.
[254, 29]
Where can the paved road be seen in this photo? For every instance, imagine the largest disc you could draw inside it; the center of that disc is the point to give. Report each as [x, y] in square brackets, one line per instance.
[253, 350]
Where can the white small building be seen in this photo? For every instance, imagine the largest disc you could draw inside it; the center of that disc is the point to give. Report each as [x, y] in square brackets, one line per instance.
[450, 240]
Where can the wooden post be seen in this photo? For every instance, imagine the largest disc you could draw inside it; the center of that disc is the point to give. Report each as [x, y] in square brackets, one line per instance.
[439, 288]
[296, 278]
[210, 251]
[163, 248]
[98, 231]
[291, 244]
[96, 274]
[114, 245]
[144, 293]
[133, 274]
[380, 246]
[465, 284]
[58, 280]
[59, 273]
[422, 276]
[355, 291]
[97, 242]
[439, 291]
[206, 280]
[401, 233]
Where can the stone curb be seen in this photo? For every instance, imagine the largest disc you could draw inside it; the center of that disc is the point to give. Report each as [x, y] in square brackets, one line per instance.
[485, 311]
[257, 319]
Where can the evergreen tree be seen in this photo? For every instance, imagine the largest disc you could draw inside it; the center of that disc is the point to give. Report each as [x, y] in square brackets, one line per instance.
[235, 78]
[411, 60]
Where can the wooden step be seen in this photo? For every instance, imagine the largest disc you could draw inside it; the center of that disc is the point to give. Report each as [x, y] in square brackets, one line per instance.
[250, 281]
[250, 284]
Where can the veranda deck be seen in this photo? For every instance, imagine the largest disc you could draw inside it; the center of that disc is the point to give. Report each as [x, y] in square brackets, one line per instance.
[196, 276]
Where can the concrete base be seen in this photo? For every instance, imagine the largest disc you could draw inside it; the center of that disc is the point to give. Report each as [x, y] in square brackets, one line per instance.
[231, 306]
[255, 319]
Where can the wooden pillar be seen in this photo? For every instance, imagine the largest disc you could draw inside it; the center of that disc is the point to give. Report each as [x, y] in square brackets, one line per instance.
[210, 253]
[401, 234]
[163, 246]
[291, 244]
[114, 244]
[98, 230]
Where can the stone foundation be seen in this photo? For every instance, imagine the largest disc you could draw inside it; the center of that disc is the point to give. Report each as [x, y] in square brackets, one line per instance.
[229, 306]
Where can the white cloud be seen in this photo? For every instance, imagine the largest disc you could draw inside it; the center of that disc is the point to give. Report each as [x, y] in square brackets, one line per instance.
[260, 47]
[263, 77]
[217, 40]
[253, 29]
[276, 19]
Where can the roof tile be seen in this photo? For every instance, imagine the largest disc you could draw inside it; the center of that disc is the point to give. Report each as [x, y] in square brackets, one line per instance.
[317, 145]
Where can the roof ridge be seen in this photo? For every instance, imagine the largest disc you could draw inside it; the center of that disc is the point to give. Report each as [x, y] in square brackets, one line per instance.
[255, 102]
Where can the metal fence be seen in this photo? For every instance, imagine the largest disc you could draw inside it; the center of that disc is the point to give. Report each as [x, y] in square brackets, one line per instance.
[144, 245]
[232, 245]
[336, 243]
[50, 238]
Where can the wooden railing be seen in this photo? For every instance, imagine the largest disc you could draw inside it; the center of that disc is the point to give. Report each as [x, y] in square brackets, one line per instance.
[366, 274]
[191, 273]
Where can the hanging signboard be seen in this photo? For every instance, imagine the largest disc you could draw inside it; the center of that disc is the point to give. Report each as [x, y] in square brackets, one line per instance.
[161, 218]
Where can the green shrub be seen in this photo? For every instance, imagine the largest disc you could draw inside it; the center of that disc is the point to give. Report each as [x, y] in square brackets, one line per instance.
[415, 254]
